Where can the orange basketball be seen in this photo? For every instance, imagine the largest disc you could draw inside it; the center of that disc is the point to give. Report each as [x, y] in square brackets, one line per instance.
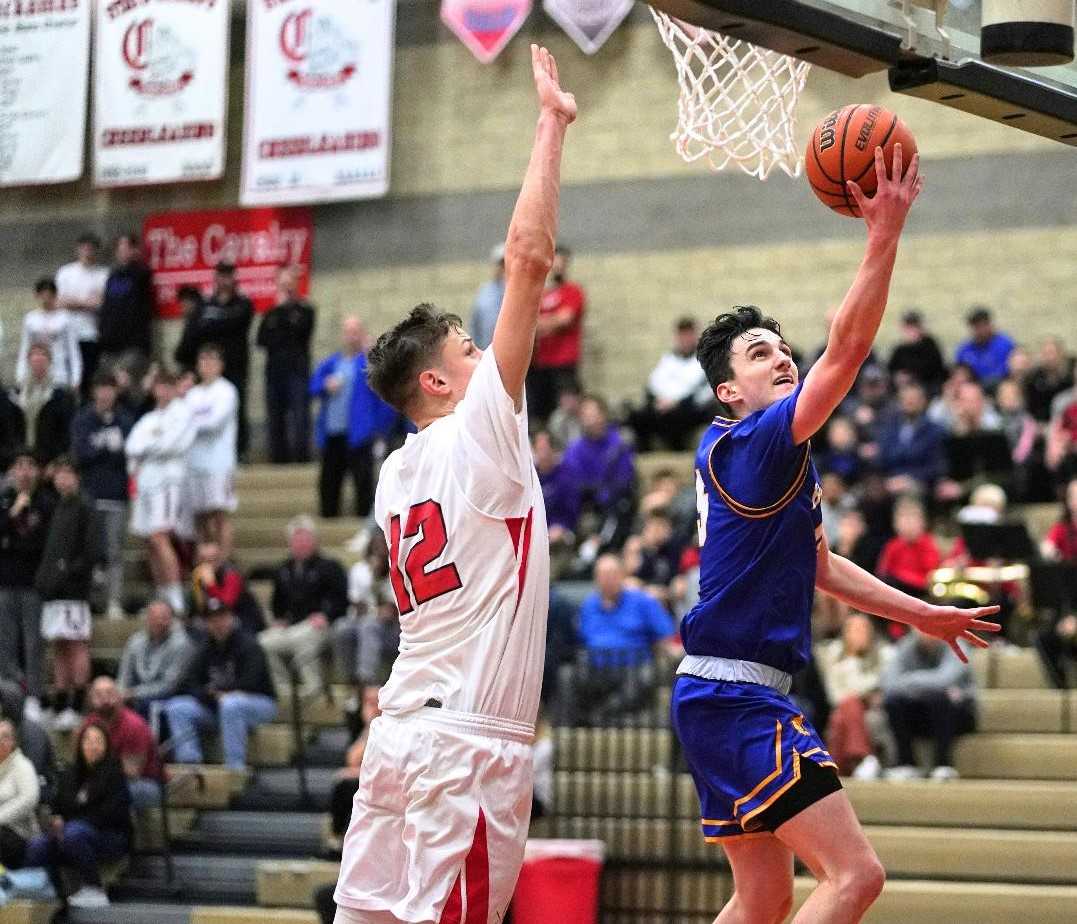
[842, 147]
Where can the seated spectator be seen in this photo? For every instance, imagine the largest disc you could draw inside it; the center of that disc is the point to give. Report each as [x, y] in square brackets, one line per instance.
[25, 511]
[558, 490]
[346, 780]
[853, 541]
[836, 499]
[1052, 375]
[928, 692]
[91, 820]
[908, 559]
[19, 795]
[621, 630]
[214, 576]
[869, 401]
[55, 328]
[917, 358]
[132, 742]
[943, 409]
[973, 412]
[366, 638]
[310, 591]
[32, 738]
[602, 466]
[564, 423]
[1022, 434]
[1056, 639]
[227, 687]
[63, 580]
[652, 559]
[851, 668]
[986, 352]
[1061, 450]
[676, 495]
[44, 408]
[910, 447]
[98, 434]
[677, 399]
[154, 661]
[842, 453]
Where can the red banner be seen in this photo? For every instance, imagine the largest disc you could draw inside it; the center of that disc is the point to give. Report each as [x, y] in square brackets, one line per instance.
[182, 248]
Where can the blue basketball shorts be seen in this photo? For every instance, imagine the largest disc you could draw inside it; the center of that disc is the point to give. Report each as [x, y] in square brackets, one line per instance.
[746, 746]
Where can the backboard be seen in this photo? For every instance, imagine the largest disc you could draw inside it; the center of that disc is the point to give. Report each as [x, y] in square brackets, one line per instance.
[939, 61]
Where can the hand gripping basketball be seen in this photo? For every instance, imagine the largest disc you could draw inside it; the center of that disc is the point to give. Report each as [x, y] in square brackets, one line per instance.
[894, 194]
[551, 97]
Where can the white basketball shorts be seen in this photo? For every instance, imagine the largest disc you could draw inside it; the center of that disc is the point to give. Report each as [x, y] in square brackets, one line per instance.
[66, 619]
[163, 510]
[211, 491]
[439, 820]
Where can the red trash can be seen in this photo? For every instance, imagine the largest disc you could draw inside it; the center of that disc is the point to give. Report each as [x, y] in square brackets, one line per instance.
[559, 881]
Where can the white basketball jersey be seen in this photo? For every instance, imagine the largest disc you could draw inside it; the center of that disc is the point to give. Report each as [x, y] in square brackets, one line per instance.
[461, 507]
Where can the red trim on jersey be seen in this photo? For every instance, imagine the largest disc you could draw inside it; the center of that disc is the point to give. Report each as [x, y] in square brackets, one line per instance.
[516, 525]
[472, 884]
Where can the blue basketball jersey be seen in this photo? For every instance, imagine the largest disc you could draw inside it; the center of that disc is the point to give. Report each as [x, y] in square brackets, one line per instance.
[758, 496]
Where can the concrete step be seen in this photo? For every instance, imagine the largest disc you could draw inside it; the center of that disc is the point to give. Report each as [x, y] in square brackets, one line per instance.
[27, 912]
[200, 878]
[293, 882]
[256, 477]
[1026, 711]
[130, 913]
[919, 901]
[229, 915]
[260, 833]
[1017, 757]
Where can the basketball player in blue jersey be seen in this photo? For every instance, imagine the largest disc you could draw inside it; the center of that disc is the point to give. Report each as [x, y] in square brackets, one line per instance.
[767, 786]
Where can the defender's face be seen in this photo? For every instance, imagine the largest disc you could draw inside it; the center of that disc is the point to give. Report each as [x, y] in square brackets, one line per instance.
[459, 357]
[763, 372]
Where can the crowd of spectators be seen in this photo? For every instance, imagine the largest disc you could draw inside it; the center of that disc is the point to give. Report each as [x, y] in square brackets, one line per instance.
[104, 440]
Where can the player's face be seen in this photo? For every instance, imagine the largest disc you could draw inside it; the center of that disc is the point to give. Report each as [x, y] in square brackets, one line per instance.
[763, 372]
[459, 357]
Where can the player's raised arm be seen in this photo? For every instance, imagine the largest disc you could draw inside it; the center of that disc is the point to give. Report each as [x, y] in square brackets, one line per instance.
[858, 318]
[533, 230]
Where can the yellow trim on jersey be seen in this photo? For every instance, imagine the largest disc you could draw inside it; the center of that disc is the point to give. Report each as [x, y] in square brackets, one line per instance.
[759, 513]
[781, 792]
[738, 837]
[767, 779]
[798, 723]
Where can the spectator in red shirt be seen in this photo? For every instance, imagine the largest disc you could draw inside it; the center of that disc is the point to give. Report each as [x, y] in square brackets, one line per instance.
[1060, 543]
[558, 340]
[1056, 640]
[908, 559]
[215, 576]
[132, 742]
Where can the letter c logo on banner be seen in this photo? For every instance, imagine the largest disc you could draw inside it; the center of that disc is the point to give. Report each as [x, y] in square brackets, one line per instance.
[293, 35]
[137, 42]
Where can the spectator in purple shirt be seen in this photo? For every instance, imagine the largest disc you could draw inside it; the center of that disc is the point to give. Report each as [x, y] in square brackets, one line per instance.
[602, 467]
[558, 491]
[987, 351]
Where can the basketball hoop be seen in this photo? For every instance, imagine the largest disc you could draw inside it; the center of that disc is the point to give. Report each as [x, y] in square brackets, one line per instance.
[737, 101]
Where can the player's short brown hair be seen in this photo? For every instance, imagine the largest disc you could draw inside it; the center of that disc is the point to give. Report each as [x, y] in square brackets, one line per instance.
[402, 352]
[716, 343]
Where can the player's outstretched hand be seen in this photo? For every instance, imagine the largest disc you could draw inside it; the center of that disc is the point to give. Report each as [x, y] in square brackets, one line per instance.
[886, 210]
[951, 623]
[551, 97]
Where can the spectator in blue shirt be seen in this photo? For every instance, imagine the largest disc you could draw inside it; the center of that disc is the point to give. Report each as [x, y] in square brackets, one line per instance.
[620, 629]
[351, 420]
[487, 304]
[987, 351]
[911, 447]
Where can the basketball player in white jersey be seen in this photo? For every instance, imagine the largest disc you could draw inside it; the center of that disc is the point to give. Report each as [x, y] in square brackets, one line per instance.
[214, 407]
[441, 815]
[157, 448]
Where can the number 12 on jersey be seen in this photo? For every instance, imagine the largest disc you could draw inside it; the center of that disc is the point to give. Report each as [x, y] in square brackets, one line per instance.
[425, 585]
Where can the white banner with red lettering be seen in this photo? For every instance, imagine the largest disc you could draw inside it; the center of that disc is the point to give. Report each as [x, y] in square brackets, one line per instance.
[160, 91]
[319, 95]
[44, 69]
[485, 26]
[588, 22]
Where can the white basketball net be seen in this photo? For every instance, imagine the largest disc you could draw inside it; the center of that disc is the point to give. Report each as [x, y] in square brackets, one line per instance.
[737, 101]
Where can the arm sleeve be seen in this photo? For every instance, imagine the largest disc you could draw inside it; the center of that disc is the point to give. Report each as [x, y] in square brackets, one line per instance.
[217, 413]
[27, 795]
[169, 682]
[321, 373]
[491, 452]
[125, 676]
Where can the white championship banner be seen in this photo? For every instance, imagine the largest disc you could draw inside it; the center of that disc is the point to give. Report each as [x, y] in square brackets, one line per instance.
[160, 91]
[588, 22]
[318, 104]
[44, 69]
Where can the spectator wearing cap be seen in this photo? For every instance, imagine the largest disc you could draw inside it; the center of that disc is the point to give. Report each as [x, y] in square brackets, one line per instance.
[80, 289]
[677, 398]
[351, 421]
[25, 511]
[53, 326]
[918, 356]
[154, 660]
[227, 687]
[41, 409]
[558, 339]
[125, 322]
[285, 334]
[487, 304]
[310, 591]
[987, 351]
[98, 434]
[63, 580]
[223, 319]
[20, 792]
[215, 576]
[132, 742]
